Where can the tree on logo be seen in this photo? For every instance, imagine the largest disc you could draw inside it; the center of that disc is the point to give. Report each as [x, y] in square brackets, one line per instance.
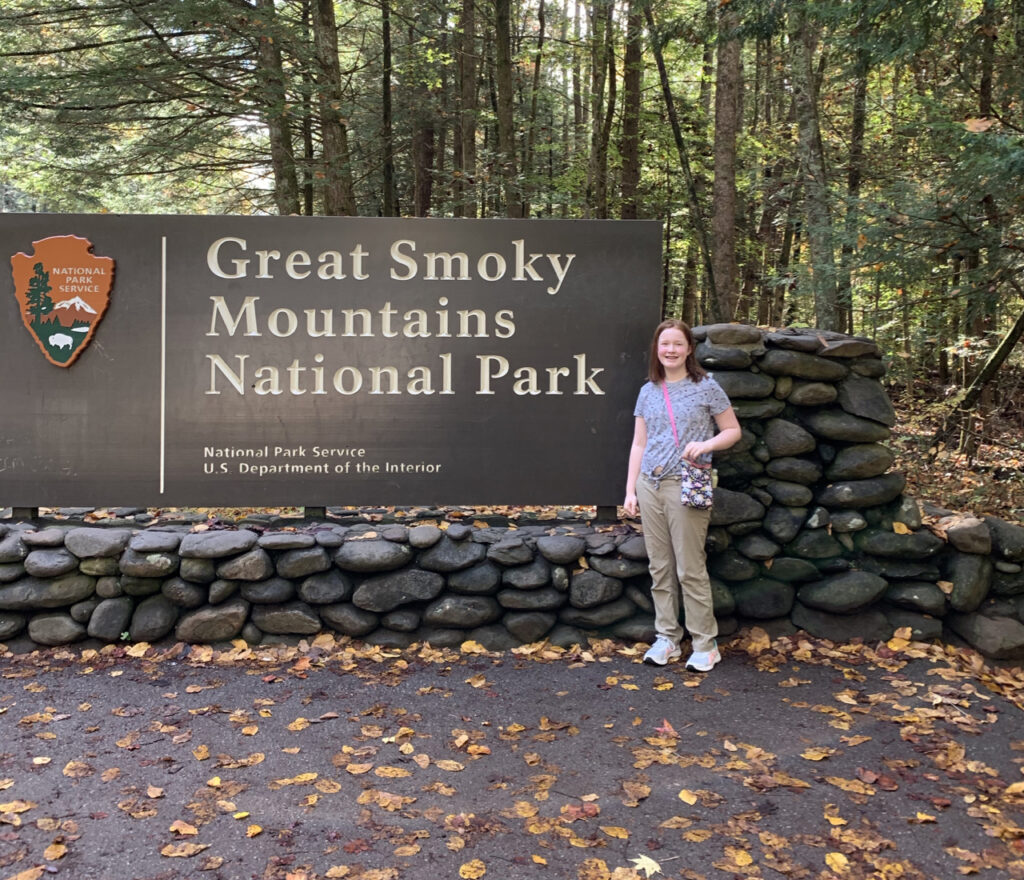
[38, 299]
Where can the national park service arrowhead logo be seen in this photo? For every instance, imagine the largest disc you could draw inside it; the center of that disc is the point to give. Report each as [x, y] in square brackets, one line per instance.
[63, 290]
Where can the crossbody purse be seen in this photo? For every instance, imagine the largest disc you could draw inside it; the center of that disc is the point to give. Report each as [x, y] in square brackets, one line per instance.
[698, 489]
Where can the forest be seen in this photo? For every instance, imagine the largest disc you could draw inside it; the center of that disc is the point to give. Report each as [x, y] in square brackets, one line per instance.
[850, 165]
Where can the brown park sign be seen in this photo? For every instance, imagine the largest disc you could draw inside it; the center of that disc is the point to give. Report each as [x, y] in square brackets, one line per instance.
[265, 361]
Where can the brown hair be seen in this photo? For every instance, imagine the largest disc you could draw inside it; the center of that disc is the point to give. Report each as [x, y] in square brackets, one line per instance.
[655, 370]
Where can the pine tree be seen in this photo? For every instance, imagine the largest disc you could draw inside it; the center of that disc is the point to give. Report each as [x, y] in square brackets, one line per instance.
[39, 302]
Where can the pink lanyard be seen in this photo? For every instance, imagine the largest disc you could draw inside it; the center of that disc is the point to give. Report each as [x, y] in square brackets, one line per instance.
[675, 433]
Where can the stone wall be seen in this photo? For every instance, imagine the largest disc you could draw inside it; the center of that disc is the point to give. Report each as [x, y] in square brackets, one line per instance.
[810, 530]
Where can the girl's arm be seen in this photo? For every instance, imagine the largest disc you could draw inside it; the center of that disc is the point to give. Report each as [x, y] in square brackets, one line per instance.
[636, 454]
[728, 434]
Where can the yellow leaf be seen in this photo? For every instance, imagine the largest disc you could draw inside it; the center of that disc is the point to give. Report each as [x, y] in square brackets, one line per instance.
[740, 856]
[471, 647]
[358, 769]
[110, 774]
[817, 754]
[253, 831]
[473, 870]
[183, 850]
[450, 766]
[925, 817]
[539, 860]
[41, 761]
[214, 782]
[54, 851]
[183, 828]
[299, 724]
[902, 528]
[837, 862]
[201, 753]
[698, 835]
[242, 814]
[336, 872]
[250, 730]
[137, 650]
[615, 831]
[29, 874]
[687, 797]
[392, 772]
[77, 769]
[1014, 788]
[409, 849]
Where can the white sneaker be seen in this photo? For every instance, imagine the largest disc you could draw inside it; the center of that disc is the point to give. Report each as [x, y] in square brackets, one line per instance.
[663, 650]
[704, 661]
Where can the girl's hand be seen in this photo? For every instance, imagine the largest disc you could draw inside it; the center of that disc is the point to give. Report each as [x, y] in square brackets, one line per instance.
[695, 449]
[631, 506]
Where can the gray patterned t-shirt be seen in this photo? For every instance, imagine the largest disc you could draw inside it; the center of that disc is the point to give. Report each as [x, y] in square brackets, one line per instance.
[695, 405]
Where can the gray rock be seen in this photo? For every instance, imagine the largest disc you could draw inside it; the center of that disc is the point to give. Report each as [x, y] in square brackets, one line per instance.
[731, 565]
[635, 548]
[253, 565]
[349, 620]
[529, 626]
[1007, 584]
[872, 492]
[448, 555]
[588, 589]
[744, 385]
[441, 637]
[814, 544]
[843, 593]
[154, 618]
[790, 570]
[848, 521]
[722, 357]
[422, 537]
[99, 566]
[638, 628]
[49, 562]
[763, 598]
[792, 339]
[301, 563]
[51, 537]
[909, 513]
[459, 531]
[868, 626]
[213, 623]
[494, 637]
[155, 542]
[784, 523]
[30, 594]
[54, 628]
[801, 365]
[286, 541]
[150, 565]
[736, 469]
[510, 551]
[999, 638]
[599, 615]
[732, 507]
[528, 577]
[462, 612]
[545, 599]
[753, 410]
[859, 462]
[216, 544]
[395, 532]
[794, 470]
[401, 620]
[834, 424]
[920, 596]
[564, 636]
[13, 548]
[852, 347]
[901, 569]
[389, 639]
[866, 398]
[812, 393]
[788, 494]
[221, 590]
[917, 545]
[137, 586]
[618, 568]
[562, 549]
[86, 542]
[11, 624]
[641, 596]
[372, 555]
[560, 578]
[11, 571]
[757, 547]
[722, 599]
[108, 587]
[1007, 539]
[970, 535]
[331, 537]
[295, 618]
[922, 627]
[82, 611]
[199, 571]
[733, 334]
[868, 366]
[183, 594]
[273, 591]
[387, 591]
[783, 438]
[971, 576]
[251, 634]
[325, 588]
[111, 618]
[481, 579]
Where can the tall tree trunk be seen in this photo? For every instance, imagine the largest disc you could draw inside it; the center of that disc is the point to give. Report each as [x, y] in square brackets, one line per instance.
[728, 113]
[339, 191]
[632, 92]
[465, 188]
[506, 122]
[387, 122]
[817, 207]
[600, 53]
[531, 138]
[854, 175]
[275, 112]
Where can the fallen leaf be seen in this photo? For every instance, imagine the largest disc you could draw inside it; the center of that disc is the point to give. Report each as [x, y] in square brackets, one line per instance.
[183, 850]
[647, 865]
[55, 851]
[473, 870]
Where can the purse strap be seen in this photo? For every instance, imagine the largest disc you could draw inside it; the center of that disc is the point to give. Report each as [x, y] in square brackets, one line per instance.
[675, 433]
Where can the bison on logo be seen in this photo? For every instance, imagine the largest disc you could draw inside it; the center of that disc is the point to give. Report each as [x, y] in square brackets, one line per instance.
[63, 290]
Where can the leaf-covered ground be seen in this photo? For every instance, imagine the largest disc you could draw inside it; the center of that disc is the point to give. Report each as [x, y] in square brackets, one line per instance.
[794, 758]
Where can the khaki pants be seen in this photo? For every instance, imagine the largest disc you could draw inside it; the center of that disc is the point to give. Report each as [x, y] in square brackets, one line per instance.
[674, 536]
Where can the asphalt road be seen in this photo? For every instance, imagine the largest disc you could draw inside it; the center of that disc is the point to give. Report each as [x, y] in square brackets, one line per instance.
[798, 760]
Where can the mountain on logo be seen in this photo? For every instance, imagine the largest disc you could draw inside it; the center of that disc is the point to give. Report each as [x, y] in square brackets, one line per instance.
[78, 304]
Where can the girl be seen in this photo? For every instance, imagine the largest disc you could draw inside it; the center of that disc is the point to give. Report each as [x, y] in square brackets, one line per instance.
[674, 533]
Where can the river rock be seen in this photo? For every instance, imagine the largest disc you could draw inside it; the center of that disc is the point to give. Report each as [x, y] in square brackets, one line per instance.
[782, 438]
[462, 612]
[881, 542]
[150, 565]
[757, 547]
[479, 580]
[618, 568]
[387, 591]
[969, 534]
[50, 562]
[199, 571]
[216, 544]
[866, 398]
[920, 596]
[544, 599]
[788, 494]
[13, 548]
[1007, 539]
[635, 548]
[182, 593]
[110, 618]
[811, 394]
[597, 616]
[422, 537]
[784, 523]
[731, 565]
[301, 562]
[922, 627]
[753, 410]
[154, 618]
[562, 549]
[510, 551]
[325, 588]
[294, 618]
[722, 357]
[349, 620]
[155, 542]
[814, 544]
[372, 555]
[1000, 638]
[588, 589]
[801, 365]
[47, 538]
[87, 542]
[11, 571]
[401, 619]
[860, 494]
[528, 577]
[448, 555]
[30, 594]
[494, 637]
[221, 589]
[286, 541]
[794, 470]
[11, 624]
[213, 623]
[868, 626]
[860, 461]
[843, 593]
[99, 566]
[971, 576]
[529, 626]
[731, 334]
[834, 424]
[762, 598]
[733, 507]
[272, 591]
[253, 565]
[744, 385]
[790, 570]
[54, 628]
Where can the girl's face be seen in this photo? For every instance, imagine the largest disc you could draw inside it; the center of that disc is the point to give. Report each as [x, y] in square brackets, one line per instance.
[672, 349]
